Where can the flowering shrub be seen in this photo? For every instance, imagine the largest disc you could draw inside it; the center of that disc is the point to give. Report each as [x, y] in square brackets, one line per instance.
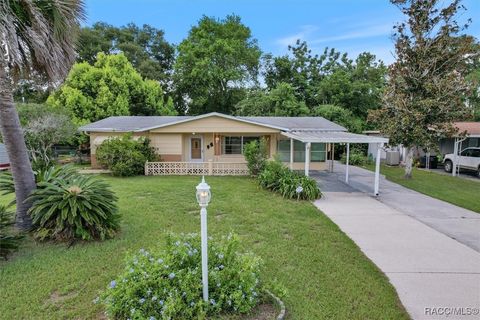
[168, 285]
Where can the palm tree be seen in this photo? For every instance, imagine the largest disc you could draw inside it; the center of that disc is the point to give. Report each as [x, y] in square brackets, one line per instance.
[36, 36]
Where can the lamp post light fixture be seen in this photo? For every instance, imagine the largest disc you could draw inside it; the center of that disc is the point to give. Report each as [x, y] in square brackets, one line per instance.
[203, 198]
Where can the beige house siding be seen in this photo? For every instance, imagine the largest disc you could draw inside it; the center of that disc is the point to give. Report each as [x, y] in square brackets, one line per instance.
[167, 145]
[215, 124]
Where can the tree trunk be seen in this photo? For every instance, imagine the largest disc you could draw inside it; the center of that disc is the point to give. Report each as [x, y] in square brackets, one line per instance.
[17, 151]
[408, 162]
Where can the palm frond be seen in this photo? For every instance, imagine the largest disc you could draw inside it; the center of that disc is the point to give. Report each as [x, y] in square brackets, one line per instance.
[39, 35]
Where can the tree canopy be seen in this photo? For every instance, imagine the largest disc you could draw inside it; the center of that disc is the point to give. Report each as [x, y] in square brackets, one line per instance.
[426, 85]
[109, 87]
[146, 48]
[215, 63]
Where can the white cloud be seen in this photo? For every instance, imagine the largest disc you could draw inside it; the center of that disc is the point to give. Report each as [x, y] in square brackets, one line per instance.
[368, 32]
[303, 34]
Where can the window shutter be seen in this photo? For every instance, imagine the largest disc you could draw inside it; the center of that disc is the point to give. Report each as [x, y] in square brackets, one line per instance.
[218, 145]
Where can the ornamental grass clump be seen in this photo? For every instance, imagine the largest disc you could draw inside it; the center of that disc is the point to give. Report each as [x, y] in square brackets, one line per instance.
[69, 207]
[168, 284]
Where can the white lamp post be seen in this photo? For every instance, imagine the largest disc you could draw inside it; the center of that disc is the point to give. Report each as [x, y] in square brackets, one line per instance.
[203, 198]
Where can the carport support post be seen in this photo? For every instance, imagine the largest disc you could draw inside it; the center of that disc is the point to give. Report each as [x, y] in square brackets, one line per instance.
[346, 163]
[377, 168]
[455, 153]
[307, 158]
[291, 154]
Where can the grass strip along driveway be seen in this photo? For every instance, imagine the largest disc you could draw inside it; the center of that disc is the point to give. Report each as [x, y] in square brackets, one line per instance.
[460, 192]
[324, 274]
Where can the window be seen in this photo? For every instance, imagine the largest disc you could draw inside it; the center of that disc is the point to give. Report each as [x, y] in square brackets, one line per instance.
[466, 153]
[283, 151]
[235, 144]
[317, 151]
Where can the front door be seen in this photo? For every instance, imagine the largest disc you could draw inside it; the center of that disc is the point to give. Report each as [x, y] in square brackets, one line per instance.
[196, 149]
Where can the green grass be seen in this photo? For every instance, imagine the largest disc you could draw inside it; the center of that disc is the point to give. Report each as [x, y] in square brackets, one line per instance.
[325, 275]
[461, 192]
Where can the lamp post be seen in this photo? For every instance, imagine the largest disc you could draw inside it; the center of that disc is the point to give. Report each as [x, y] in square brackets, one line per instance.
[203, 198]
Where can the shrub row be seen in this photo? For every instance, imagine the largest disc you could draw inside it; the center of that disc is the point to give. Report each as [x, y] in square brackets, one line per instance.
[356, 159]
[290, 184]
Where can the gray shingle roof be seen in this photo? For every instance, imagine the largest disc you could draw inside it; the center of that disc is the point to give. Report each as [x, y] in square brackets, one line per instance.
[143, 123]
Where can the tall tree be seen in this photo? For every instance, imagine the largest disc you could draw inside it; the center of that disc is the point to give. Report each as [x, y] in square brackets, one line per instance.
[280, 101]
[110, 87]
[426, 84]
[214, 64]
[35, 35]
[145, 47]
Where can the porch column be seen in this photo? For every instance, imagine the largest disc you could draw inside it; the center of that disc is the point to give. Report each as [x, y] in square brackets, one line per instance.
[307, 158]
[377, 169]
[348, 159]
[291, 154]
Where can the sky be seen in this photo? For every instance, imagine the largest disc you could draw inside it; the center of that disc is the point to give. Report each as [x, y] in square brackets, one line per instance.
[351, 26]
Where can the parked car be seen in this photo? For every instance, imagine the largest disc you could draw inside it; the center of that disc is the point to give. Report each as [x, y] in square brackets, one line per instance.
[468, 159]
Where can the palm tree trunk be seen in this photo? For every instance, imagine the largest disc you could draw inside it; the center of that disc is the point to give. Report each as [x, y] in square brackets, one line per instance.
[17, 151]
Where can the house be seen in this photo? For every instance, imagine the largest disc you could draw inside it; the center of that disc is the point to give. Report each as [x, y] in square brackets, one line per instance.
[213, 143]
[4, 161]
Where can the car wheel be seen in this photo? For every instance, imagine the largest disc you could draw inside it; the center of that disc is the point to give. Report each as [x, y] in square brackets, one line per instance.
[448, 166]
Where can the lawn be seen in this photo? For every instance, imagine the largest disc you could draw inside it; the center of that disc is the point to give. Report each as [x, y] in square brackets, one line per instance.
[461, 192]
[324, 273]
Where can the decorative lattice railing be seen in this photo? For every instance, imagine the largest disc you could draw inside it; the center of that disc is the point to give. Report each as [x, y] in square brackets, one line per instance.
[196, 168]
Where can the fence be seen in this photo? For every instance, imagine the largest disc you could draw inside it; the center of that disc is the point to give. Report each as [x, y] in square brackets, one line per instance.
[209, 168]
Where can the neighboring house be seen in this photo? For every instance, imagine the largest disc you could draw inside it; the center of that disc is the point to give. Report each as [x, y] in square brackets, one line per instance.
[214, 142]
[4, 161]
[468, 136]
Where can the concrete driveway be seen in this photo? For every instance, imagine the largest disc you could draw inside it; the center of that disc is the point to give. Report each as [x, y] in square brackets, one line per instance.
[436, 276]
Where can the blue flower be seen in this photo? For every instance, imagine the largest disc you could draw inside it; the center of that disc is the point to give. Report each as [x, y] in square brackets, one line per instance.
[142, 300]
[154, 298]
[151, 318]
[177, 243]
[161, 302]
[171, 275]
[213, 302]
[190, 253]
[221, 267]
[113, 284]
[192, 304]
[131, 270]
[160, 261]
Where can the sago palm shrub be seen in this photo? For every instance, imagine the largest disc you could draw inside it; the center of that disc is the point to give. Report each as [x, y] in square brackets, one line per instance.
[9, 240]
[77, 207]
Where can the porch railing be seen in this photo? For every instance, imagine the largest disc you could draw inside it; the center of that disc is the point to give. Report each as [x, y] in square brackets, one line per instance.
[196, 168]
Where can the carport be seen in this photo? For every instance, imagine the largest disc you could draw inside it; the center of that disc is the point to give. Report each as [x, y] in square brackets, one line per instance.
[333, 137]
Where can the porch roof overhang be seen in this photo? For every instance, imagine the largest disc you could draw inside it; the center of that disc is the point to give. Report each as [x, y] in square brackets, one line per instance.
[333, 137]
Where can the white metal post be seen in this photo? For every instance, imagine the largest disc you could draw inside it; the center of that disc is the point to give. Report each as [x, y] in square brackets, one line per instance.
[291, 154]
[307, 158]
[348, 159]
[455, 157]
[377, 169]
[203, 225]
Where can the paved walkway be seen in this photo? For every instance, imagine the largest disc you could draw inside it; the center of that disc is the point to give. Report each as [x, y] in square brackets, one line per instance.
[432, 273]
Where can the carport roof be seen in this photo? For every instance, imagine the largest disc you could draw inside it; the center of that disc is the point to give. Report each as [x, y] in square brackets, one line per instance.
[333, 137]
